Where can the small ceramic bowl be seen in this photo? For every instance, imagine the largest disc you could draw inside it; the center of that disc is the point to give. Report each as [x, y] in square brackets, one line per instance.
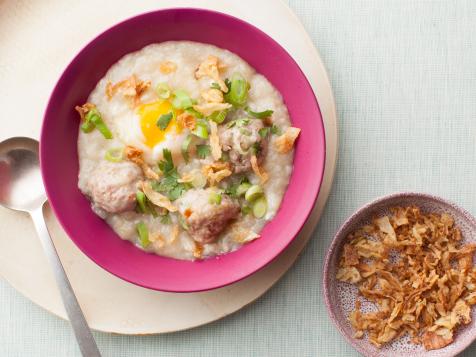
[59, 156]
[340, 297]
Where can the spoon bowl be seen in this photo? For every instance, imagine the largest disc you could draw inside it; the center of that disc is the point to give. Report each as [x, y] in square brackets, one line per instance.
[21, 186]
[21, 189]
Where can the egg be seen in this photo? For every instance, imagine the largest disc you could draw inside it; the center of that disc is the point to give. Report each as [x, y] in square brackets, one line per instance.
[138, 127]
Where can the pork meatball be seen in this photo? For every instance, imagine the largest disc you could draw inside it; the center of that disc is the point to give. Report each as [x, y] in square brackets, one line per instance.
[206, 220]
[112, 186]
[241, 140]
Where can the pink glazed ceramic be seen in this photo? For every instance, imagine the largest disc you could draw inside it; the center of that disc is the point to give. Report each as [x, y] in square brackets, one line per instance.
[59, 158]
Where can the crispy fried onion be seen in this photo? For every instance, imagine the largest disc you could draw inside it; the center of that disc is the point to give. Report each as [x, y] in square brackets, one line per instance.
[157, 198]
[210, 68]
[131, 88]
[215, 141]
[263, 175]
[208, 108]
[135, 155]
[186, 120]
[285, 142]
[416, 271]
[84, 109]
[212, 95]
[216, 171]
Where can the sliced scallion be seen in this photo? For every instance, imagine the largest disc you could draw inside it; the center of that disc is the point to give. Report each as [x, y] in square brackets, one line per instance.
[201, 131]
[185, 146]
[114, 155]
[219, 117]
[242, 188]
[260, 206]
[253, 193]
[181, 99]
[143, 233]
[163, 90]
[259, 115]
[214, 198]
[95, 118]
[238, 93]
[141, 202]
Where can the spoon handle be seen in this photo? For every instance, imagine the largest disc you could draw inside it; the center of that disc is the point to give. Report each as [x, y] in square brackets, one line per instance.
[81, 329]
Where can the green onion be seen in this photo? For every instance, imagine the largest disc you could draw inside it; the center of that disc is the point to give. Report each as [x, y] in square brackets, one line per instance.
[238, 93]
[195, 113]
[201, 131]
[259, 115]
[219, 117]
[215, 198]
[199, 180]
[242, 188]
[114, 155]
[164, 120]
[245, 210]
[141, 202]
[143, 234]
[253, 193]
[215, 85]
[94, 117]
[185, 145]
[163, 90]
[87, 126]
[181, 100]
[260, 206]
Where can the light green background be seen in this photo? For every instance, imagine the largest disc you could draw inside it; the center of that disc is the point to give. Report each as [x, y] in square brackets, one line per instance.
[404, 78]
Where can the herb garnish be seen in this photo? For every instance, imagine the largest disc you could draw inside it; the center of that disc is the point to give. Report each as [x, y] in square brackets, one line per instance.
[169, 185]
[259, 115]
[164, 120]
[203, 151]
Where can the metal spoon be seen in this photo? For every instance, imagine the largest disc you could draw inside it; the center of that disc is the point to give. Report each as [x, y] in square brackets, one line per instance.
[21, 189]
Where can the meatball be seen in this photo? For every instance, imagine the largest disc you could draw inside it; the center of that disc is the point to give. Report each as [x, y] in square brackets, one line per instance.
[113, 186]
[206, 220]
[242, 140]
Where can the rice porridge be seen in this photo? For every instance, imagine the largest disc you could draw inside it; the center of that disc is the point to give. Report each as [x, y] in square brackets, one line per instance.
[185, 150]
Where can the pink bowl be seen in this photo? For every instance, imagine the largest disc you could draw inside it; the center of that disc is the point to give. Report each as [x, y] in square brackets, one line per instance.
[59, 157]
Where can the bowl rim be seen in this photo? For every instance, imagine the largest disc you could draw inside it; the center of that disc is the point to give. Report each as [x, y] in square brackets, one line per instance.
[338, 238]
[316, 188]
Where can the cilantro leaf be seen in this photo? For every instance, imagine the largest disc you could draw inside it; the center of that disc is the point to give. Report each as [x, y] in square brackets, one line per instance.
[203, 151]
[164, 120]
[264, 132]
[276, 130]
[256, 148]
[167, 163]
[165, 219]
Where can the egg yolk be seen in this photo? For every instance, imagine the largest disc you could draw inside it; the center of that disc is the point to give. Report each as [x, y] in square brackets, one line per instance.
[149, 114]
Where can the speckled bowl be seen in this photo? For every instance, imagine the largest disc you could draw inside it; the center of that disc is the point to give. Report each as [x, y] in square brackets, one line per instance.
[340, 297]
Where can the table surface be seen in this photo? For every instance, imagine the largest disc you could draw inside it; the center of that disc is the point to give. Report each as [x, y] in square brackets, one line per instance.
[404, 78]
